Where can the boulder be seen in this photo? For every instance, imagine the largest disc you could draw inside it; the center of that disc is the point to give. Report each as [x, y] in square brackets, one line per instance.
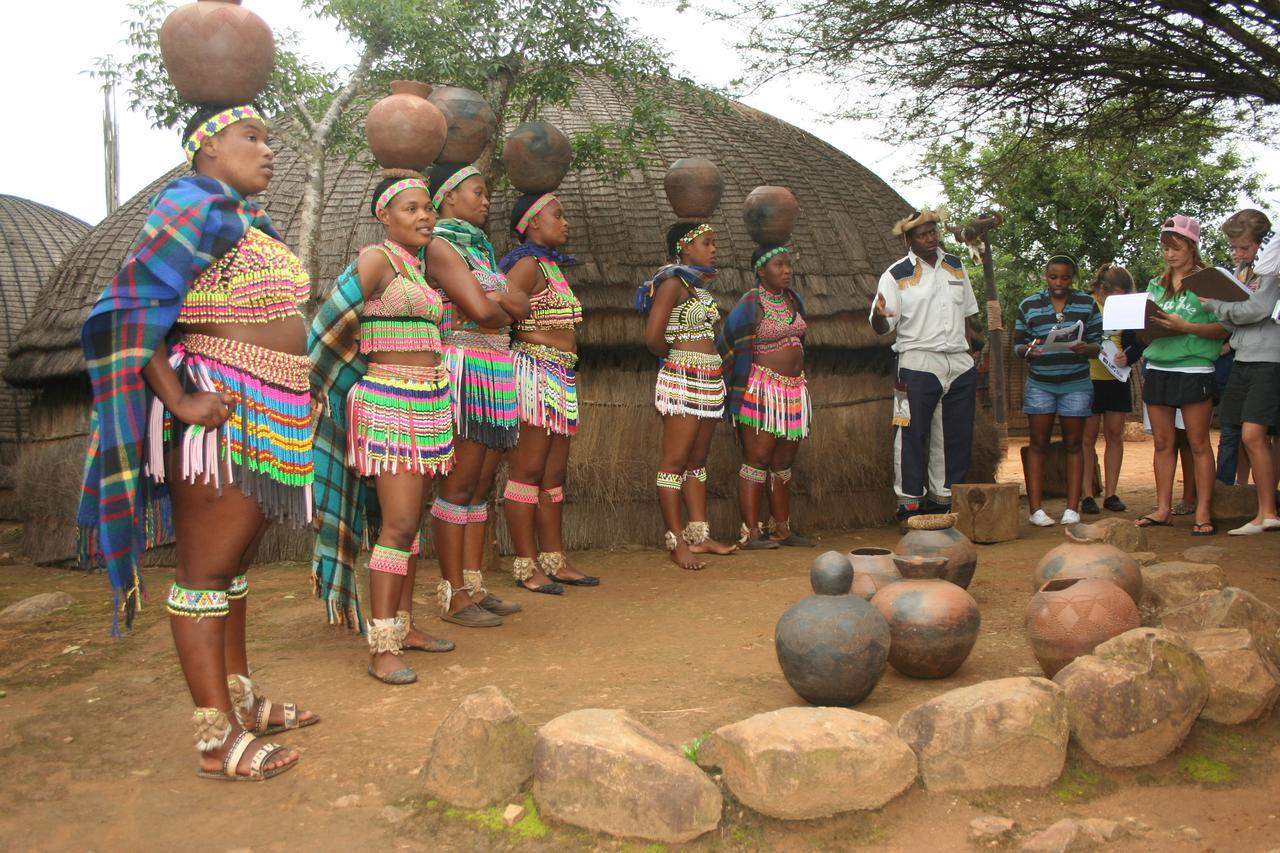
[1169, 585]
[1133, 701]
[1230, 607]
[1074, 834]
[801, 763]
[604, 771]
[1144, 558]
[1205, 554]
[989, 827]
[1011, 731]
[36, 607]
[1231, 503]
[1121, 533]
[1243, 685]
[481, 753]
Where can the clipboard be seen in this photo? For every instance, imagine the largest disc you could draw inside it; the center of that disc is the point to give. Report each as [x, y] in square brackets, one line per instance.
[1149, 333]
[1217, 283]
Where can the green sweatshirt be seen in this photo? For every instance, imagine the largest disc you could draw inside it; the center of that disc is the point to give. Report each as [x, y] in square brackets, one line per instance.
[1180, 351]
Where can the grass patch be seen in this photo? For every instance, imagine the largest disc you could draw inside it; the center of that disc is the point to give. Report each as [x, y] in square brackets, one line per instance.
[690, 750]
[1079, 784]
[527, 828]
[1204, 770]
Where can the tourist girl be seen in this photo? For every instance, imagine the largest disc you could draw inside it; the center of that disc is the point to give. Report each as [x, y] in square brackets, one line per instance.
[545, 355]
[1180, 374]
[1058, 384]
[205, 312]
[680, 330]
[768, 399]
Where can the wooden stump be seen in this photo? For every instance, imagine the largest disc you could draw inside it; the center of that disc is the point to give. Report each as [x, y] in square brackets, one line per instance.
[1055, 471]
[986, 512]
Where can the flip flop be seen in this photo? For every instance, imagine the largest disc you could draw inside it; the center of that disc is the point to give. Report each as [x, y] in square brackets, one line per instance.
[1197, 529]
[1151, 522]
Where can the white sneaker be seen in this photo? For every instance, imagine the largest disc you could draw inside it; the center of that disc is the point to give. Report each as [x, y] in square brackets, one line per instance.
[1070, 516]
[1040, 518]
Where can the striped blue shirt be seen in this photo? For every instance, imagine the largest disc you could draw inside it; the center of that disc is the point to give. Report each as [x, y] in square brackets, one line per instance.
[1059, 371]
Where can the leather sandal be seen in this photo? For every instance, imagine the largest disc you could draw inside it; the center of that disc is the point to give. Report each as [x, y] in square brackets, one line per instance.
[243, 698]
[211, 731]
[473, 616]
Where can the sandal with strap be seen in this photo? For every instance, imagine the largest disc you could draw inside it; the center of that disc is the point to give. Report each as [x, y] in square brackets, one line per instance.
[230, 763]
[243, 698]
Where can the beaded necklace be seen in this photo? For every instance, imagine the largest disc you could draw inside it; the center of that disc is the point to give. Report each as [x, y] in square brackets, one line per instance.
[776, 308]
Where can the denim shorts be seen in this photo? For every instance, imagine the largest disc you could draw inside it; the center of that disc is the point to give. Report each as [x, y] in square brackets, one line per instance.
[1037, 400]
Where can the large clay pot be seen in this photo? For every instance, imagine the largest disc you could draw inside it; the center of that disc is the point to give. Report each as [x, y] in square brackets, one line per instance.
[694, 187]
[942, 540]
[536, 156]
[770, 214]
[933, 623]
[873, 569]
[1069, 617]
[1084, 556]
[471, 123]
[832, 646]
[217, 52]
[404, 129]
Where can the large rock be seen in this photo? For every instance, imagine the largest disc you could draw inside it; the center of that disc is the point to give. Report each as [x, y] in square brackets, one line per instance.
[801, 763]
[1169, 585]
[1205, 554]
[1120, 532]
[1243, 685]
[1230, 607]
[36, 607]
[1011, 731]
[604, 771]
[1233, 502]
[1133, 701]
[482, 752]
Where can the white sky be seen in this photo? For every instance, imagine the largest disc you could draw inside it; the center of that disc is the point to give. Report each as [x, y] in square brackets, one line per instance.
[51, 151]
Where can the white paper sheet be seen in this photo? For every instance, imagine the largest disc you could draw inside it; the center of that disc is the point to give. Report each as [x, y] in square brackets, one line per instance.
[1062, 340]
[1108, 360]
[1125, 311]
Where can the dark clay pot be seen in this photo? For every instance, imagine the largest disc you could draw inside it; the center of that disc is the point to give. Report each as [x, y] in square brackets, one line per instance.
[1083, 556]
[694, 187]
[404, 129]
[770, 214]
[1069, 617]
[873, 569]
[832, 646]
[217, 52]
[933, 623]
[961, 555]
[536, 156]
[471, 123]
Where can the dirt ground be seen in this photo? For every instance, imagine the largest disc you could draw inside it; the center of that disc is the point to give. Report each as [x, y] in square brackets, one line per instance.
[94, 738]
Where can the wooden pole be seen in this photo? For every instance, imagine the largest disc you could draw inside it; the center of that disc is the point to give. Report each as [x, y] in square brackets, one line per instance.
[995, 344]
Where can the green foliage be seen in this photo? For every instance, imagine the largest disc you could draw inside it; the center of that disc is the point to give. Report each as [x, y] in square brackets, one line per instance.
[528, 828]
[690, 750]
[1206, 771]
[1079, 784]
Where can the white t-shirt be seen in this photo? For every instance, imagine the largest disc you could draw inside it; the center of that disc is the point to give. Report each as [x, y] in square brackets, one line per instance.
[929, 303]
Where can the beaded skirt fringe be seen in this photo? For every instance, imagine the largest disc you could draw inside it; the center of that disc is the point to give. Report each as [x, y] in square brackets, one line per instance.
[484, 391]
[399, 418]
[546, 388]
[690, 383]
[776, 404]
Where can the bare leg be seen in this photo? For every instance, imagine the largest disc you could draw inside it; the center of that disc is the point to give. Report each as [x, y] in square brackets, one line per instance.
[525, 466]
[1197, 417]
[1254, 438]
[457, 488]
[1072, 428]
[678, 435]
[1164, 459]
[784, 454]
[1113, 458]
[757, 450]
[1041, 428]
[1088, 447]
[695, 491]
[400, 496]
[550, 515]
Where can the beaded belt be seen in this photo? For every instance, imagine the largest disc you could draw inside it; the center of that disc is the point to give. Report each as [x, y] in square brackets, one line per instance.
[693, 358]
[272, 366]
[476, 340]
[542, 352]
[778, 378]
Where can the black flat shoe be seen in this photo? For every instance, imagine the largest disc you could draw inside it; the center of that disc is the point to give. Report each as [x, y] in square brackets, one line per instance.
[1114, 504]
[585, 580]
[1089, 506]
[545, 589]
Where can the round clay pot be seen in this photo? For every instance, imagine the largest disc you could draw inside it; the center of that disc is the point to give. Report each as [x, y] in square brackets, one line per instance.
[217, 52]
[471, 123]
[832, 646]
[1083, 556]
[404, 129]
[873, 569]
[962, 556]
[1069, 617]
[933, 623]
[536, 156]
[694, 187]
[770, 214]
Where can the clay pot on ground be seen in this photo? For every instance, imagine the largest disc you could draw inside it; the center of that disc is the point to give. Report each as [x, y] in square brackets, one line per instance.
[933, 623]
[694, 187]
[217, 52]
[404, 129]
[873, 569]
[1069, 617]
[832, 646]
[536, 156]
[770, 214]
[942, 541]
[1084, 556]
[470, 120]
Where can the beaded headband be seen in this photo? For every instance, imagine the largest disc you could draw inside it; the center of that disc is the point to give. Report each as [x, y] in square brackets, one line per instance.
[395, 190]
[454, 180]
[769, 255]
[704, 228]
[534, 210]
[211, 127]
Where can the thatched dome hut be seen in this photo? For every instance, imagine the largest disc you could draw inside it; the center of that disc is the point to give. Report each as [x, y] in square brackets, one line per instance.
[617, 226]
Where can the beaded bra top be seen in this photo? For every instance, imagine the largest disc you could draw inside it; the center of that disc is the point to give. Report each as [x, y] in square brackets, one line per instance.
[490, 279]
[555, 307]
[259, 281]
[693, 319]
[780, 326]
[406, 315]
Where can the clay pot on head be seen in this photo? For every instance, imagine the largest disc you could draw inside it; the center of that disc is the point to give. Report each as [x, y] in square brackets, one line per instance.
[941, 540]
[1084, 556]
[694, 187]
[404, 129]
[536, 156]
[873, 569]
[933, 624]
[832, 646]
[1069, 617]
[217, 52]
[770, 214]
[471, 123]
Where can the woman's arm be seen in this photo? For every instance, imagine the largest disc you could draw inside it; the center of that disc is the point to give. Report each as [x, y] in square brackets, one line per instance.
[205, 408]
[525, 276]
[655, 327]
[454, 277]
[1182, 326]
[375, 271]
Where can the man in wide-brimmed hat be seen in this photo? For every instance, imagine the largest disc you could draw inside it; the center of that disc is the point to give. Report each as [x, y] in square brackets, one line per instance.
[926, 297]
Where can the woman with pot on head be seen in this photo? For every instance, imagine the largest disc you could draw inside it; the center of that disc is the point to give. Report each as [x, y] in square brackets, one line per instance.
[196, 352]
[545, 354]
[768, 399]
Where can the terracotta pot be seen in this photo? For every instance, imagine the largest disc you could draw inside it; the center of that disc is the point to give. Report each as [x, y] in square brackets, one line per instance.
[1084, 556]
[873, 569]
[217, 52]
[536, 156]
[404, 129]
[962, 556]
[694, 187]
[933, 623]
[471, 123]
[832, 646]
[1069, 617]
[770, 214]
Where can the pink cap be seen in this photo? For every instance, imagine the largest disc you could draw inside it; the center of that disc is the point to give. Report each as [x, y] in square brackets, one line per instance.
[1183, 226]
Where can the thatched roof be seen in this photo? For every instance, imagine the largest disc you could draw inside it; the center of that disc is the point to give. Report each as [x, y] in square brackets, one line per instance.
[617, 228]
